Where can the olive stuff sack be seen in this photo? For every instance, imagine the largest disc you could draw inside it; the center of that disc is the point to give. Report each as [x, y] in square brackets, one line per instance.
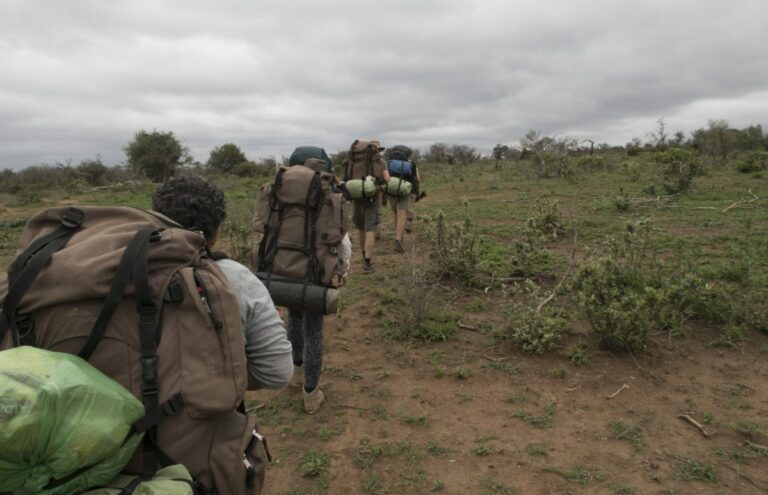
[364, 169]
[66, 426]
[303, 222]
[137, 296]
[401, 178]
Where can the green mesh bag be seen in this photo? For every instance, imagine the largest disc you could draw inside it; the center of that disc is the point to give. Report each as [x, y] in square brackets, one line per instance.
[64, 423]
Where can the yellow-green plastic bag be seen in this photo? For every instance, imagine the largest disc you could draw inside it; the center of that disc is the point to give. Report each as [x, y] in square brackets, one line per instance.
[60, 415]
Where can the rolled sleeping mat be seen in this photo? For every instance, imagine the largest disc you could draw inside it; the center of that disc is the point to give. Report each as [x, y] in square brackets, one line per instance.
[287, 292]
[359, 189]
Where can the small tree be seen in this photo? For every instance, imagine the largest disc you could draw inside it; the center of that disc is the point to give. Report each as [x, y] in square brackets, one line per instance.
[94, 172]
[718, 141]
[155, 154]
[225, 158]
[660, 137]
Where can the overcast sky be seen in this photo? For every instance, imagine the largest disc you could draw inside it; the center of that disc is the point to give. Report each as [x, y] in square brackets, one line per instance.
[79, 77]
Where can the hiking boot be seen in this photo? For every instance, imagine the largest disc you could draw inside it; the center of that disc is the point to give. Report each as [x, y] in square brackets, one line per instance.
[367, 266]
[313, 400]
[298, 376]
[399, 247]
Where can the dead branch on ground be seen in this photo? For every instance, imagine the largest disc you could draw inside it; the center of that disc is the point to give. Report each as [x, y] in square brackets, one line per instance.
[622, 388]
[743, 201]
[689, 418]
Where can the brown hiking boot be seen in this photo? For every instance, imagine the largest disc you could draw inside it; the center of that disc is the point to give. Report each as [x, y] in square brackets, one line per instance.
[313, 400]
[399, 246]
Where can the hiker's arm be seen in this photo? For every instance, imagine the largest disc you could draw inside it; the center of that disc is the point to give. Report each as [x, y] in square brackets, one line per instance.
[267, 349]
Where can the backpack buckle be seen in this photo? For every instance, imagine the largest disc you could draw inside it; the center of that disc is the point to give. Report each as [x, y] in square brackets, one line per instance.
[72, 218]
[174, 405]
[25, 326]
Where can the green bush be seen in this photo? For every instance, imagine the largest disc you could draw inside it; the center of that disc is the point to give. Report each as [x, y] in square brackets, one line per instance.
[614, 304]
[757, 161]
[535, 330]
[680, 167]
[453, 250]
[629, 292]
[547, 222]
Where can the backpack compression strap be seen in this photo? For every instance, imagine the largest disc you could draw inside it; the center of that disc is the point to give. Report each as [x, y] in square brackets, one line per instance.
[136, 247]
[25, 269]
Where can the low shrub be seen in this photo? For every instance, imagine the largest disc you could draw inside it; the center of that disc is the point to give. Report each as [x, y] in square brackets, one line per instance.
[756, 161]
[629, 292]
[534, 328]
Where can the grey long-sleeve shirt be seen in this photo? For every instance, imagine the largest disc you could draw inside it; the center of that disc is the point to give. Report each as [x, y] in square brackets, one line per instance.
[267, 349]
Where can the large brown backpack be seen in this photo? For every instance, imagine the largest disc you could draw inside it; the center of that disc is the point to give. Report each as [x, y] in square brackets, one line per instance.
[303, 222]
[365, 160]
[137, 296]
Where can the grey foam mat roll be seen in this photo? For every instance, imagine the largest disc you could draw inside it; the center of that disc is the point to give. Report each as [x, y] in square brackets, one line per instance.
[287, 292]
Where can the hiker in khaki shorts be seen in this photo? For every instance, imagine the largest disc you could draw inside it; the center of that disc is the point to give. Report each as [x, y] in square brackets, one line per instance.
[401, 198]
[365, 171]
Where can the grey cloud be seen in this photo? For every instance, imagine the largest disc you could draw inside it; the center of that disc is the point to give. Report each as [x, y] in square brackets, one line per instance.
[80, 77]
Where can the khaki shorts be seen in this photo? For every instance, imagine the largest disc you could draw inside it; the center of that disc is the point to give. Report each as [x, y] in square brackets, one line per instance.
[405, 203]
[365, 214]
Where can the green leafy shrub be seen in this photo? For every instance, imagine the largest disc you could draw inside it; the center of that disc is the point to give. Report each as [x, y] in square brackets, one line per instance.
[453, 250]
[533, 328]
[621, 201]
[629, 292]
[547, 223]
[756, 161]
[680, 167]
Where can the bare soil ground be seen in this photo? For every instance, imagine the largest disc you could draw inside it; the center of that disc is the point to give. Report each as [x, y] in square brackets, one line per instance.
[473, 416]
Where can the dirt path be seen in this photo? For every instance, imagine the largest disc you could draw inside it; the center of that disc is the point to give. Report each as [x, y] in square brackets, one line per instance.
[470, 416]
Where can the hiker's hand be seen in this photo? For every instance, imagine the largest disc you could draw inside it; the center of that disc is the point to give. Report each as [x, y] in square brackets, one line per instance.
[342, 281]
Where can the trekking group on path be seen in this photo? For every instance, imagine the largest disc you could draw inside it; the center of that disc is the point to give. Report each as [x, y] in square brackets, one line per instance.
[143, 299]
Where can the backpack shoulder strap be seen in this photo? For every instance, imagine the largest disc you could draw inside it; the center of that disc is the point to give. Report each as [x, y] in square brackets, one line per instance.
[28, 266]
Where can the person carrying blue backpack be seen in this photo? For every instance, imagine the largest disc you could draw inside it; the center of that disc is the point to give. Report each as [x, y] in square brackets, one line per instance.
[402, 188]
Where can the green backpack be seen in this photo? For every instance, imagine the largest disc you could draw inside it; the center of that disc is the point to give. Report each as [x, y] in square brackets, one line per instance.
[66, 427]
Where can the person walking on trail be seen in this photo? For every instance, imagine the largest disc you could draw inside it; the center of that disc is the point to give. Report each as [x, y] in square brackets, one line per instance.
[365, 172]
[198, 204]
[402, 191]
[303, 216]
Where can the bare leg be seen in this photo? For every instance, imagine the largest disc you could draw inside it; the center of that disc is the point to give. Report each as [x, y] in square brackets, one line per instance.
[399, 224]
[368, 239]
[361, 238]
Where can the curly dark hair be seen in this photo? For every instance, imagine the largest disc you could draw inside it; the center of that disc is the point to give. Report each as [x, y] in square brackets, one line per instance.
[193, 202]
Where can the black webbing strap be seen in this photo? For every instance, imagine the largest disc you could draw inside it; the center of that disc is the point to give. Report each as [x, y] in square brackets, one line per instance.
[135, 482]
[147, 312]
[171, 407]
[369, 159]
[30, 263]
[115, 295]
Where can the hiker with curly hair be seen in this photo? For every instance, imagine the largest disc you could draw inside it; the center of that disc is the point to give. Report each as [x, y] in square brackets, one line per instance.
[198, 204]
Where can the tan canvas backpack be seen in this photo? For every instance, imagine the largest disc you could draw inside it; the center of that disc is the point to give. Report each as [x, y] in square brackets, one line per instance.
[136, 295]
[365, 160]
[303, 222]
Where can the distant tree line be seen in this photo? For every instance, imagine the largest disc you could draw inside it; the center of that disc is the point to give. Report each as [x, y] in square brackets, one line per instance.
[157, 155]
